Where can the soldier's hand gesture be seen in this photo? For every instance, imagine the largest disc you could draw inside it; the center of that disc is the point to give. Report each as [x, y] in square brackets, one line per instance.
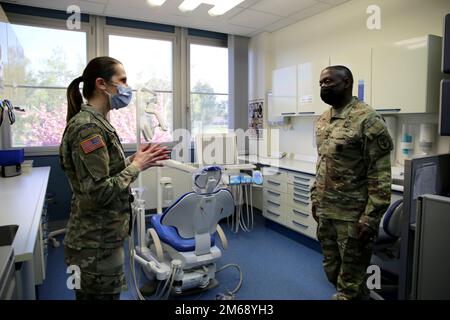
[149, 155]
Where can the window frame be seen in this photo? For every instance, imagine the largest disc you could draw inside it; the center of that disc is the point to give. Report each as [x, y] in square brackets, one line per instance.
[199, 41]
[51, 23]
[97, 38]
[151, 35]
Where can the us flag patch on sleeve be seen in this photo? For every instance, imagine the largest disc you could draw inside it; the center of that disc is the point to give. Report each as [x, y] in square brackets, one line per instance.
[91, 144]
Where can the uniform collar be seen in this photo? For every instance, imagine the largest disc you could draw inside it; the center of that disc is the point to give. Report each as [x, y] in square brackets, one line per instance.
[98, 115]
[343, 112]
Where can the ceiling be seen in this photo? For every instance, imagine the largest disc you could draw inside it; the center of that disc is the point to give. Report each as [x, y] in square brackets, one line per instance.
[250, 18]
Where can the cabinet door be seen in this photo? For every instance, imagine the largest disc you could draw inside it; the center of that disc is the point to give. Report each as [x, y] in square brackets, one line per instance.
[309, 102]
[399, 77]
[359, 63]
[284, 91]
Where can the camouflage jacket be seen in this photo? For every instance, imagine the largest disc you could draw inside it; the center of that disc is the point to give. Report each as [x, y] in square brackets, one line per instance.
[353, 173]
[93, 159]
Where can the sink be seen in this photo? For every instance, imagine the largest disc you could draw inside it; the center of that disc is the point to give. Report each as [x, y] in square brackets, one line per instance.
[7, 234]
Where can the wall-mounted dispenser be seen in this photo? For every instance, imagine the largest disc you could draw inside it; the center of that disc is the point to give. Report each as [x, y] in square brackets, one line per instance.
[407, 143]
[426, 137]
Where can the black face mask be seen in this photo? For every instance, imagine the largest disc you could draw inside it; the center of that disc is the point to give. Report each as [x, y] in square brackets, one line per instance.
[331, 95]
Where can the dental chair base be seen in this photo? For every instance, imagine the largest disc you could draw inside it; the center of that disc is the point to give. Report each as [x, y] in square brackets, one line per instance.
[179, 249]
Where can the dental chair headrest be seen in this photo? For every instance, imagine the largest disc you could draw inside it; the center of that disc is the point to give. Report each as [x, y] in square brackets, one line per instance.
[392, 220]
[207, 179]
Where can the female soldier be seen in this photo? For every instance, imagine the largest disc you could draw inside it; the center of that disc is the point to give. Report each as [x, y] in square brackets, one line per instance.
[99, 175]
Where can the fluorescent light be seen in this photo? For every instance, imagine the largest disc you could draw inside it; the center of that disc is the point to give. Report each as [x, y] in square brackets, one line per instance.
[223, 6]
[189, 5]
[156, 3]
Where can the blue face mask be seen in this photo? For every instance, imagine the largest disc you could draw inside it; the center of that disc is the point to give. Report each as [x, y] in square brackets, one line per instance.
[122, 98]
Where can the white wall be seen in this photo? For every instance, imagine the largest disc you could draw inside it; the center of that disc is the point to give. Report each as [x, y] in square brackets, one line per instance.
[340, 29]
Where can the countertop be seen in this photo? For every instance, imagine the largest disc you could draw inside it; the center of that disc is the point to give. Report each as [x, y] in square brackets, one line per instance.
[21, 202]
[309, 166]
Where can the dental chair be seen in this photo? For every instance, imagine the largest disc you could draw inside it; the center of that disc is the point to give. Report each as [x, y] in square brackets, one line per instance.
[181, 244]
[388, 241]
[386, 250]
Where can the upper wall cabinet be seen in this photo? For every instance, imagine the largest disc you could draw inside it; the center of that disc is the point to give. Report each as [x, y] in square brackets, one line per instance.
[406, 76]
[359, 63]
[284, 91]
[309, 101]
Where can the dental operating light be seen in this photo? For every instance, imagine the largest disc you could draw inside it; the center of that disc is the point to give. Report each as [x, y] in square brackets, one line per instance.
[156, 3]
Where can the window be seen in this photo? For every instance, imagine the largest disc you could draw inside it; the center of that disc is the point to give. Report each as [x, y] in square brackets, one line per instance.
[39, 73]
[208, 89]
[149, 65]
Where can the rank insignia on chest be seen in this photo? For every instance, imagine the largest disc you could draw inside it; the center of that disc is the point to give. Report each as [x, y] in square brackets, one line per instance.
[93, 143]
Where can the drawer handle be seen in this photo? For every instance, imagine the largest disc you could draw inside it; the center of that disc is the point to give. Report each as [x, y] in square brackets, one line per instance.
[272, 213]
[300, 213]
[300, 224]
[298, 184]
[273, 203]
[287, 113]
[274, 193]
[307, 112]
[273, 172]
[301, 190]
[302, 202]
[300, 196]
[301, 178]
[273, 182]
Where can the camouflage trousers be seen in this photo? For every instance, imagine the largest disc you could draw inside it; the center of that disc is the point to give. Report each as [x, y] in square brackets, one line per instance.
[345, 258]
[102, 274]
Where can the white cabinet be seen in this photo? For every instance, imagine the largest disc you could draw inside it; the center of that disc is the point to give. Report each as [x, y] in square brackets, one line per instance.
[284, 91]
[309, 101]
[287, 200]
[359, 62]
[406, 76]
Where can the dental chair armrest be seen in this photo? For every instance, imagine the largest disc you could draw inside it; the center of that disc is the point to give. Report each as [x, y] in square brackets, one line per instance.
[222, 237]
[158, 247]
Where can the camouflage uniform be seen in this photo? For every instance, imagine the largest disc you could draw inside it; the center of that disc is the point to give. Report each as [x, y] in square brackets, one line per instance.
[353, 183]
[93, 159]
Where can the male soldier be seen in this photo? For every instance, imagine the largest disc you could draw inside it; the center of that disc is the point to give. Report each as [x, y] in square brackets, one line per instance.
[352, 189]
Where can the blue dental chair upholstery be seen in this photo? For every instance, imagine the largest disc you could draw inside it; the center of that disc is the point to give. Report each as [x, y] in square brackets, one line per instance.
[190, 223]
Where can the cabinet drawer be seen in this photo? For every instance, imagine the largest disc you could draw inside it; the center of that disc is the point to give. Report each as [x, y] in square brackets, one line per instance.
[274, 196]
[274, 214]
[291, 189]
[299, 201]
[302, 179]
[274, 174]
[273, 203]
[300, 215]
[275, 185]
[304, 224]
